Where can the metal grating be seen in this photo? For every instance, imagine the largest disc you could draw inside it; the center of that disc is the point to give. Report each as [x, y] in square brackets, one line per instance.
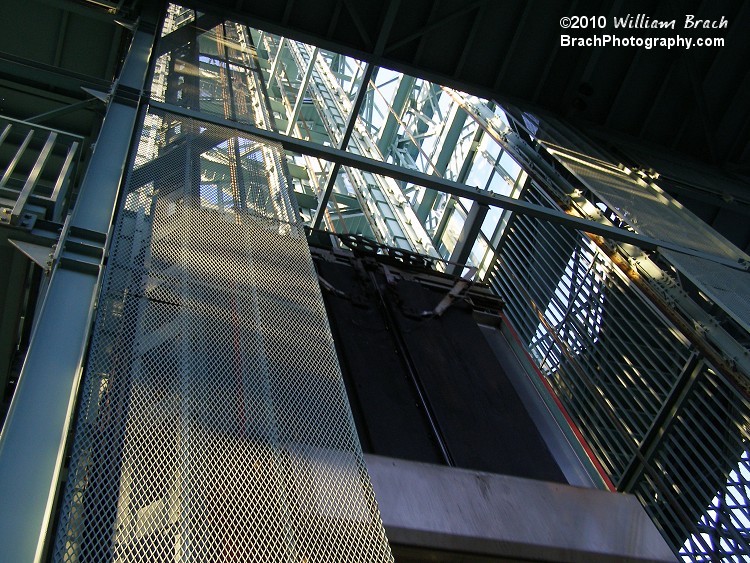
[647, 210]
[213, 424]
[704, 456]
[664, 425]
[728, 287]
[37, 165]
[606, 351]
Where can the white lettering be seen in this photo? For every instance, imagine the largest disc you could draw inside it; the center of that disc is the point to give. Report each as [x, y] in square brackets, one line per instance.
[692, 23]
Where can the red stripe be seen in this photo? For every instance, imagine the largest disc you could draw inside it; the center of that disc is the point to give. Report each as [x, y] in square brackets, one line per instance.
[589, 451]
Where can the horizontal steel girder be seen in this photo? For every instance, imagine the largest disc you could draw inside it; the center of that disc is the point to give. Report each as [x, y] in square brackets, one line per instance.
[447, 186]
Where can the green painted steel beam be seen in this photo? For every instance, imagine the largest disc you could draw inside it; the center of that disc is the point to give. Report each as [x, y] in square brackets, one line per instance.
[451, 139]
[451, 203]
[398, 106]
[301, 93]
[467, 237]
[351, 122]
[447, 186]
[441, 164]
[275, 67]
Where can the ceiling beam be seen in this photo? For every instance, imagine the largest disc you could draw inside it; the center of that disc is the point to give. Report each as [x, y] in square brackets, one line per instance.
[359, 25]
[542, 79]
[654, 109]
[592, 64]
[705, 117]
[510, 51]
[287, 13]
[741, 146]
[39, 93]
[386, 25]
[626, 79]
[430, 18]
[468, 42]
[27, 71]
[334, 18]
[90, 11]
[64, 110]
[433, 25]
[63, 28]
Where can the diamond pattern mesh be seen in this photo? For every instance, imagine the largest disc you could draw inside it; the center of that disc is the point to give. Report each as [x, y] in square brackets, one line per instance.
[213, 424]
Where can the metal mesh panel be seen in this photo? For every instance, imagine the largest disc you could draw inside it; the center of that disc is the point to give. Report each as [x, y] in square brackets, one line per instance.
[728, 287]
[664, 425]
[648, 211]
[704, 454]
[213, 423]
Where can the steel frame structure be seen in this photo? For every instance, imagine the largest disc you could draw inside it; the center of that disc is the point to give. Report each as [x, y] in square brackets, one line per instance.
[415, 150]
[652, 370]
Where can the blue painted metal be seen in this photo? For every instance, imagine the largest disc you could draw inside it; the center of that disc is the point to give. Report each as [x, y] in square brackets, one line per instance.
[96, 199]
[32, 443]
[34, 437]
[468, 237]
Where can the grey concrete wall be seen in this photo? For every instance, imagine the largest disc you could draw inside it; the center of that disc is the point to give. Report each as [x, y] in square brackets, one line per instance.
[466, 511]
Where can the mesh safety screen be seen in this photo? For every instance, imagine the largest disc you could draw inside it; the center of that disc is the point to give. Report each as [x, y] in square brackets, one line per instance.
[213, 423]
[664, 425]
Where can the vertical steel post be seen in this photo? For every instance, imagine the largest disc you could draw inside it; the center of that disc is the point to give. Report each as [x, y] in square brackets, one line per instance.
[301, 94]
[468, 237]
[33, 442]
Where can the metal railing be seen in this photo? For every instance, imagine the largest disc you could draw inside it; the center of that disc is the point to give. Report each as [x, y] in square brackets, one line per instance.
[37, 166]
[667, 426]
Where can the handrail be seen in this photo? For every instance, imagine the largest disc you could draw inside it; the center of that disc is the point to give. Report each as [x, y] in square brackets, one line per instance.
[36, 171]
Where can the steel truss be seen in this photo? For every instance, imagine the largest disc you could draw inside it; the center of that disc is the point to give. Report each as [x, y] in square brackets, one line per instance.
[642, 367]
[651, 365]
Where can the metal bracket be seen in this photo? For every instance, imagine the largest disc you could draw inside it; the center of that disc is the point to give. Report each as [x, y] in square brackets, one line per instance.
[24, 221]
[40, 254]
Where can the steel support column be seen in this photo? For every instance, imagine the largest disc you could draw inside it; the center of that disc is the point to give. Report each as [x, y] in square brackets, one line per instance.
[361, 95]
[33, 442]
[301, 94]
[467, 238]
